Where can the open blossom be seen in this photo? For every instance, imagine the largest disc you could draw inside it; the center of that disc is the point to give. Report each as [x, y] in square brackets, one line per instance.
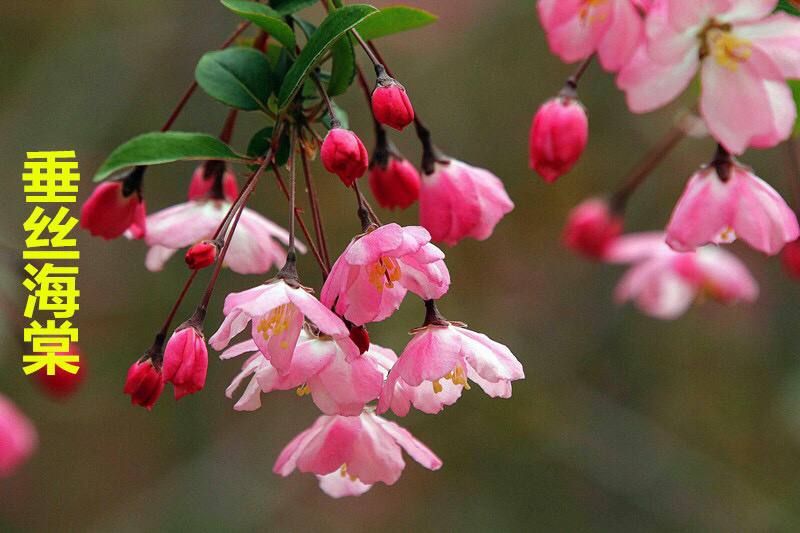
[144, 383]
[576, 29]
[371, 277]
[395, 184]
[339, 379]
[363, 449]
[114, 207]
[204, 181]
[744, 61]
[18, 437]
[254, 247]
[390, 103]
[558, 137]
[738, 204]
[185, 361]
[663, 283]
[277, 310]
[344, 154]
[458, 200]
[450, 352]
[591, 228]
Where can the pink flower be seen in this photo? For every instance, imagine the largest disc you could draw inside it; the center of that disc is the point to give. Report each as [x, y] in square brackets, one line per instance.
[363, 448]
[718, 206]
[370, 279]
[422, 396]
[663, 283]
[338, 378]
[344, 154]
[204, 181]
[591, 228]
[277, 310]
[790, 257]
[185, 361]
[113, 207]
[558, 136]
[458, 200]
[576, 29]
[253, 249]
[448, 351]
[743, 58]
[18, 437]
[396, 184]
[144, 383]
[390, 103]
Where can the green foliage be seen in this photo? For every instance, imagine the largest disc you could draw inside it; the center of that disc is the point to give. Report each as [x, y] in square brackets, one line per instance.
[394, 20]
[166, 147]
[237, 77]
[788, 7]
[333, 27]
[795, 86]
[287, 7]
[343, 71]
[260, 143]
[265, 18]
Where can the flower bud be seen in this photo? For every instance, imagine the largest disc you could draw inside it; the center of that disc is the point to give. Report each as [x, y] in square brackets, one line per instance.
[344, 154]
[360, 337]
[115, 206]
[62, 384]
[206, 179]
[144, 383]
[591, 228]
[18, 437]
[186, 360]
[390, 103]
[558, 136]
[790, 257]
[201, 255]
[397, 185]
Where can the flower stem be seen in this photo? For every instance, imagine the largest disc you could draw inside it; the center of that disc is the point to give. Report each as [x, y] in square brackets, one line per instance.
[319, 228]
[177, 304]
[573, 80]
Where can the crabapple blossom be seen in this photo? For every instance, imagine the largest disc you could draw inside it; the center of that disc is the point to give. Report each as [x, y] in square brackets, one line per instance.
[725, 201]
[395, 184]
[364, 449]
[457, 200]
[663, 283]
[185, 360]
[591, 228]
[204, 181]
[339, 379]
[576, 29]
[144, 383]
[371, 277]
[390, 103]
[344, 154]
[744, 55]
[18, 437]
[277, 310]
[201, 255]
[116, 206]
[558, 137]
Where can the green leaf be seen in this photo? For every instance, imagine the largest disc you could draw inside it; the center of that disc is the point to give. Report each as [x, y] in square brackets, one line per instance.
[265, 18]
[795, 86]
[394, 20]
[287, 7]
[787, 7]
[166, 147]
[260, 143]
[306, 26]
[341, 115]
[237, 77]
[343, 71]
[333, 27]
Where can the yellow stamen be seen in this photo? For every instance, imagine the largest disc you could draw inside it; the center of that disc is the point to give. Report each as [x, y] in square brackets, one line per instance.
[437, 387]
[587, 16]
[275, 323]
[458, 376]
[387, 268]
[303, 390]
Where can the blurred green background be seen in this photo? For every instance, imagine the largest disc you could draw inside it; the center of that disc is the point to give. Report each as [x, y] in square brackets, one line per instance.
[624, 423]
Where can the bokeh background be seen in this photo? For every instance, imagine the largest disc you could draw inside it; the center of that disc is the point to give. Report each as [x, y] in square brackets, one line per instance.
[624, 423]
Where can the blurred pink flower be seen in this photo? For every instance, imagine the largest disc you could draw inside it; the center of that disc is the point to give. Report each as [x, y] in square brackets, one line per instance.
[339, 380]
[185, 361]
[591, 228]
[363, 448]
[558, 136]
[744, 61]
[663, 283]
[458, 200]
[719, 209]
[576, 29]
[18, 437]
[370, 279]
[453, 353]
[278, 311]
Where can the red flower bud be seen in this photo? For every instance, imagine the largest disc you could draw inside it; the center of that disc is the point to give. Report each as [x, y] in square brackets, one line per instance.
[186, 360]
[396, 185]
[360, 337]
[790, 257]
[62, 384]
[591, 228]
[201, 255]
[558, 136]
[144, 383]
[344, 154]
[390, 104]
[115, 206]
